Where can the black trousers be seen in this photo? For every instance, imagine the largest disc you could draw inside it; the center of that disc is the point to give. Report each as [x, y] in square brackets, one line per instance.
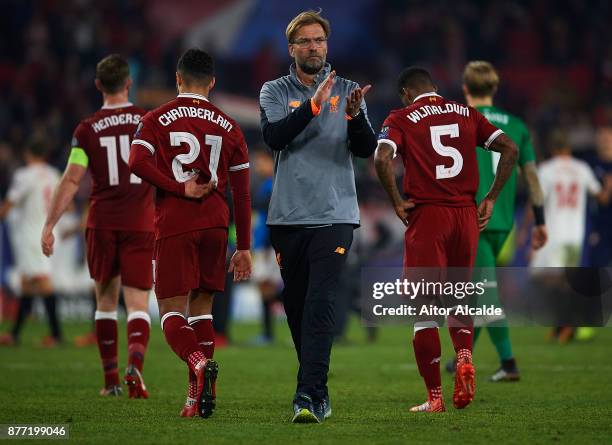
[311, 260]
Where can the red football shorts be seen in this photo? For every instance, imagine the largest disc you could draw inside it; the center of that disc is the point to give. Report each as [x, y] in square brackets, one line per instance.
[120, 252]
[439, 236]
[189, 261]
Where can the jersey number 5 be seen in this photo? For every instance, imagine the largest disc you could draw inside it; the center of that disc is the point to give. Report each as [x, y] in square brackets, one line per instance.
[179, 137]
[110, 143]
[437, 132]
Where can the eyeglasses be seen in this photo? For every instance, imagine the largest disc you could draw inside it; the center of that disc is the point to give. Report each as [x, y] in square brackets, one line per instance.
[305, 43]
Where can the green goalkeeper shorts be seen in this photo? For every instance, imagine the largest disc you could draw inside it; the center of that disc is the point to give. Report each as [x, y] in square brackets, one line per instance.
[489, 246]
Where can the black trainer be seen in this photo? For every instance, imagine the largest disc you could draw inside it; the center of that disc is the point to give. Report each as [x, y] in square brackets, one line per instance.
[209, 392]
[323, 409]
[303, 409]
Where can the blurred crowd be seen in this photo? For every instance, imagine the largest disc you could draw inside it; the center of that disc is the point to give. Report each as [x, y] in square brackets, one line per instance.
[554, 58]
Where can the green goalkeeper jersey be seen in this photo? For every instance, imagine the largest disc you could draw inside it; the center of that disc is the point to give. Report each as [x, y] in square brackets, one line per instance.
[515, 128]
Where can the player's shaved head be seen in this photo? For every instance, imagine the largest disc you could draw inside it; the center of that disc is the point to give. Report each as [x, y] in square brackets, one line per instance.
[414, 78]
[414, 81]
[112, 72]
[196, 67]
[480, 79]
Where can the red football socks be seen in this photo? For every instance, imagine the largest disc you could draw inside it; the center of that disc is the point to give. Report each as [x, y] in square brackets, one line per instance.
[106, 333]
[461, 332]
[138, 327]
[179, 335]
[203, 328]
[435, 393]
[427, 352]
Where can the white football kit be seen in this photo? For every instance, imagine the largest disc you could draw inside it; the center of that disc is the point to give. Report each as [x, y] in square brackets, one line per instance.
[565, 182]
[30, 192]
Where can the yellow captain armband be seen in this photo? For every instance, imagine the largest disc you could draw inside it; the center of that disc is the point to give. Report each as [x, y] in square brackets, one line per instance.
[78, 157]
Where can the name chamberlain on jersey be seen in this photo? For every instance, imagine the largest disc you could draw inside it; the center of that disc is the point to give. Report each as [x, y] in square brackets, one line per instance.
[194, 112]
[114, 120]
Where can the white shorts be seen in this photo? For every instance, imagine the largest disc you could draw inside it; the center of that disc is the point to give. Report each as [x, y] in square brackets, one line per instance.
[557, 255]
[30, 261]
[265, 267]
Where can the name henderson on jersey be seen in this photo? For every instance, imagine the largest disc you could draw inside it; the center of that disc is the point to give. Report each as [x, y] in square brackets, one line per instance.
[114, 120]
[429, 110]
[203, 113]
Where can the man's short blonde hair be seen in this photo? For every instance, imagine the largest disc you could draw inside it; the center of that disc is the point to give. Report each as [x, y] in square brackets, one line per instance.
[306, 18]
[480, 78]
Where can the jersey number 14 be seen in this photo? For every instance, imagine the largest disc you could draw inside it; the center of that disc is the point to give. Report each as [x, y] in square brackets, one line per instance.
[110, 143]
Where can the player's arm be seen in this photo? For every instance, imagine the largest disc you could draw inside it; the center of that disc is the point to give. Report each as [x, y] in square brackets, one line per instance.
[279, 128]
[5, 208]
[601, 193]
[63, 196]
[18, 189]
[361, 136]
[240, 262]
[142, 164]
[539, 234]
[383, 159]
[508, 150]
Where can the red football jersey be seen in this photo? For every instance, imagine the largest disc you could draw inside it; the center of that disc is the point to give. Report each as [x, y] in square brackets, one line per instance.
[437, 141]
[119, 199]
[189, 135]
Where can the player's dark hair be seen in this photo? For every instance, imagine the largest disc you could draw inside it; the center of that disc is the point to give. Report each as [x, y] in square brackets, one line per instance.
[558, 140]
[414, 77]
[112, 72]
[36, 147]
[196, 66]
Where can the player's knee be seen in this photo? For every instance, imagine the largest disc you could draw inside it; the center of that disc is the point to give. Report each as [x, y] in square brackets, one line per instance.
[174, 304]
[425, 324]
[136, 299]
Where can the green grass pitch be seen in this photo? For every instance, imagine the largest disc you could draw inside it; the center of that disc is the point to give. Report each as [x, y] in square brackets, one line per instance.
[565, 395]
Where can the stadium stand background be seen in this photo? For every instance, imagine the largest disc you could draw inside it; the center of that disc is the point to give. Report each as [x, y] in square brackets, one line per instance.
[554, 57]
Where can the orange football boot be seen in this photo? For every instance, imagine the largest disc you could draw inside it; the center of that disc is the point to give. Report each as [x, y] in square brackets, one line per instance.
[465, 384]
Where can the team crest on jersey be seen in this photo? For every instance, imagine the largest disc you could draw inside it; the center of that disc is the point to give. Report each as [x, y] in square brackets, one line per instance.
[137, 134]
[432, 99]
[333, 103]
[294, 103]
[384, 133]
[196, 101]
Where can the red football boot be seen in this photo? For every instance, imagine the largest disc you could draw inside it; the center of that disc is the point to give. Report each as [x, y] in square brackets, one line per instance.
[135, 383]
[190, 409]
[7, 340]
[465, 383]
[82, 341]
[205, 372]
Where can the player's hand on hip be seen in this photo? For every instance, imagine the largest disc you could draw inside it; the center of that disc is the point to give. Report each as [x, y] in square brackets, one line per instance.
[324, 90]
[402, 210]
[195, 190]
[46, 241]
[485, 210]
[353, 100]
[241, 265]
[539, 236]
